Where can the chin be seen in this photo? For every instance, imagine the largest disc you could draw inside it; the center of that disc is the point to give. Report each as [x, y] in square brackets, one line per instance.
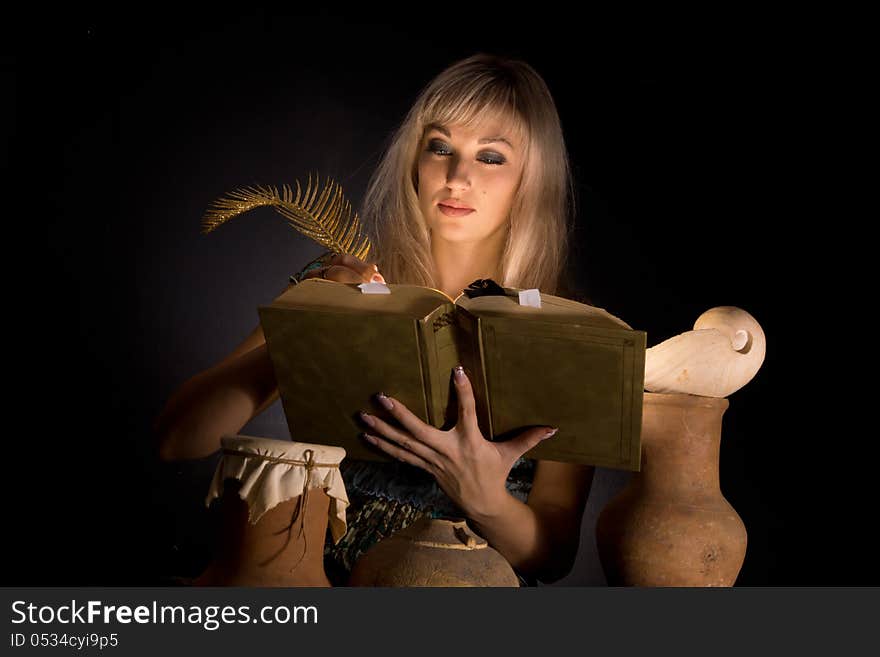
[454, 234]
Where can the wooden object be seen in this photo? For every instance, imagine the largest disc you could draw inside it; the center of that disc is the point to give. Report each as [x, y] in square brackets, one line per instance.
[722, 354]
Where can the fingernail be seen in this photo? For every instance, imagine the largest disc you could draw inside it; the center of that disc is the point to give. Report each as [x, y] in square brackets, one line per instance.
[375, 267]
[377, 278]
[366, 418]
[550, 433]
[383, 399]
[368, 438]
[458, 372]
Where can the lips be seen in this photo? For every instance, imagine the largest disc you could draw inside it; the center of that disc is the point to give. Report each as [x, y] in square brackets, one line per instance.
[452, 203]
[453, 212]
[452, 208]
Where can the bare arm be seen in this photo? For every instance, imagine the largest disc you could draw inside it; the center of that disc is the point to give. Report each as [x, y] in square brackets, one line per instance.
[540, 538]
[224, 398]
[217, 401]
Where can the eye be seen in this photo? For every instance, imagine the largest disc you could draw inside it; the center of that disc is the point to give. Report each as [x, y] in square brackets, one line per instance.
[439, 148]
[492, 158]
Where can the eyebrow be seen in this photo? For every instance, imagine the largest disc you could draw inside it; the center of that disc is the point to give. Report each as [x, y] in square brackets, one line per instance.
[484, 140]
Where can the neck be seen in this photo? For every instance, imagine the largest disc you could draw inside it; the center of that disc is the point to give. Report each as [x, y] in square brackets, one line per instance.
[459, 265]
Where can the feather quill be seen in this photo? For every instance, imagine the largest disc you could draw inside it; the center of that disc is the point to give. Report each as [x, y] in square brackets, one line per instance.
[324, 217]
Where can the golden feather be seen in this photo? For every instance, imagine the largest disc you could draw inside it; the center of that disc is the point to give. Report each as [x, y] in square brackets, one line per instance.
[326, 217]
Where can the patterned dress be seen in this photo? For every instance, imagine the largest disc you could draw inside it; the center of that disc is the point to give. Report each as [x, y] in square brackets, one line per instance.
[385, 497]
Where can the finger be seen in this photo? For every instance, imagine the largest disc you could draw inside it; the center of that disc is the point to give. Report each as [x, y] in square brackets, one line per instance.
[406, 440]
[425, 433]
[399, 453]
[366, 271]
[516, 447]
[467, 405]
[343, 274]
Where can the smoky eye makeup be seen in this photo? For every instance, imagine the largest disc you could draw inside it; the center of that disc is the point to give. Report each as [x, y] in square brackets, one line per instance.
[439, 147]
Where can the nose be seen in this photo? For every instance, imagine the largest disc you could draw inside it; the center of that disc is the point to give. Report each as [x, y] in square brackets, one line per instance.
[458, 174]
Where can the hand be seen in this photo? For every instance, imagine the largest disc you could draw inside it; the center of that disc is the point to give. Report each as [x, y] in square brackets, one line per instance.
[346, 268]
[471, 470]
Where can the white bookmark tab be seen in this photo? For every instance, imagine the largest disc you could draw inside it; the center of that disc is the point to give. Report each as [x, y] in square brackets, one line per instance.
[530, 298]
[374, 288]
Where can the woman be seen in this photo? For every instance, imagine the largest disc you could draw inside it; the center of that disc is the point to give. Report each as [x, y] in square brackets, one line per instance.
[475, 185]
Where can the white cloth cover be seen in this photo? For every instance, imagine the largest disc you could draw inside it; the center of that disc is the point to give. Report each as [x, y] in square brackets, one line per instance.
[266, 483]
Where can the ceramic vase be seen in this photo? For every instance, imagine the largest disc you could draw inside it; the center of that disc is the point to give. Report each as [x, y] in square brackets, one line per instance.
[671, 525]
[433, 552]
[276, 499]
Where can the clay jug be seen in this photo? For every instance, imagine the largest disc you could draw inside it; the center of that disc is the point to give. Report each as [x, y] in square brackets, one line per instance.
[433, 552]
[276, 499]
[671, 526]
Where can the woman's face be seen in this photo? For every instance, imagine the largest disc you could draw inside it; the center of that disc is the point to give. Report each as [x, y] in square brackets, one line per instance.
[477, 168]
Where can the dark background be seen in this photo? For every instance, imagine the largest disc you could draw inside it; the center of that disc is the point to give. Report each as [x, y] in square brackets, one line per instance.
[688, 149]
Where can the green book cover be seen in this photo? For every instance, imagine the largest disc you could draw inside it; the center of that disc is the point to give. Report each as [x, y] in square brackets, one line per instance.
[565, 364]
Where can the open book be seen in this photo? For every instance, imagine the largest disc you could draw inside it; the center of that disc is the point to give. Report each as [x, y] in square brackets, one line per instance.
[563, 364]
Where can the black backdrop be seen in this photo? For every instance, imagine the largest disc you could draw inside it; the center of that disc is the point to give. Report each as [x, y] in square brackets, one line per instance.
[123, 128]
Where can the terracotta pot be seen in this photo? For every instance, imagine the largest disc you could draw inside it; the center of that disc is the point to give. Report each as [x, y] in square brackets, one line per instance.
[271, 552]
[433, 552]
[671, 526]
[276, 500]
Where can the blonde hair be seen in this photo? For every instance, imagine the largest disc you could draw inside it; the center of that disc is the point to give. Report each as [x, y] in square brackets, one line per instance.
[542, 212]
